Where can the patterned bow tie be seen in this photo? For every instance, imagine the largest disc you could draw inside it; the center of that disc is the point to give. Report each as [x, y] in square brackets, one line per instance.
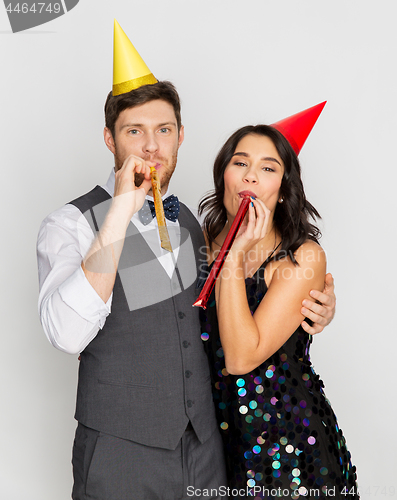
[171, 210]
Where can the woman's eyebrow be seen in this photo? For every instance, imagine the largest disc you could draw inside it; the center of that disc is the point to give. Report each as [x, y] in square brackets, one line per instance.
[265, 158]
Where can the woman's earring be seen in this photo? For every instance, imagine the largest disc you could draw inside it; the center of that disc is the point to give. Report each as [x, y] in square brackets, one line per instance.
[281, 200]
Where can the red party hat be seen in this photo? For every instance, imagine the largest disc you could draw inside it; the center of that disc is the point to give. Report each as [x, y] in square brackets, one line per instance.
[296, 128]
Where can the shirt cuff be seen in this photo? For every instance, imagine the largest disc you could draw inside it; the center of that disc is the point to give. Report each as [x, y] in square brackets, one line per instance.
[78, 294]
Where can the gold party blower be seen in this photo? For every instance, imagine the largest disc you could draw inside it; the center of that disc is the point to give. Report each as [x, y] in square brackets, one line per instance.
[158, 206]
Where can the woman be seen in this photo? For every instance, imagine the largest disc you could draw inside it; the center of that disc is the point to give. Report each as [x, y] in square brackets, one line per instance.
[280, 434]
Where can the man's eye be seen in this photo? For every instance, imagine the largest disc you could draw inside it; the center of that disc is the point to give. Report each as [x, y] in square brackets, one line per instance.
[164, 130]
[133, 131]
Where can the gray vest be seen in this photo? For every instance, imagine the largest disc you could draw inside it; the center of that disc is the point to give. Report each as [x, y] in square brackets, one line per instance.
[145, 374]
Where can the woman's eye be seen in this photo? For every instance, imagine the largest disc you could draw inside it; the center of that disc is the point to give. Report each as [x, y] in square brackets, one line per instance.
[240, 164]
[268, 169]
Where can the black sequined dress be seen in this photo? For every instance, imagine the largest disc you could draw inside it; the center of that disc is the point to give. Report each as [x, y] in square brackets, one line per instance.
[279, 431]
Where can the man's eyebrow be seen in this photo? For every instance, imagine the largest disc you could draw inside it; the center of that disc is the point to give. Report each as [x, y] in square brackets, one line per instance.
[140, 125]
[265, 158]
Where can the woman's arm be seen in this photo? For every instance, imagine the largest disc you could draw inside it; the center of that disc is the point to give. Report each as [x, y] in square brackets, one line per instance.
[249, 340]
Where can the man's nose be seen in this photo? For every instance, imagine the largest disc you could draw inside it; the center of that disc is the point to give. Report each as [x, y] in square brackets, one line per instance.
[150, 145]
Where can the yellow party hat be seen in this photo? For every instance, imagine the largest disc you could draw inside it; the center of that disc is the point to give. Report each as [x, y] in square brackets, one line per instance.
[129, 70]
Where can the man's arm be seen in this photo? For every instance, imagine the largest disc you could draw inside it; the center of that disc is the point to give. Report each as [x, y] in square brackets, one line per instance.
[101, 262]
[77, 270]
[322, 309]
[70, 310]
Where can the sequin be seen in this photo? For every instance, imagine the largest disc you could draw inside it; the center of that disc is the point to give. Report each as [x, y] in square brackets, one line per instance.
[250, 474]
[311, 440]
[256, 449]
[289, 449]
[259, 389]
[251, 483]
[276, 465]
[205, 336]
[296, 472]
[242, 392]
[224, 426]
[258, 380]
[269, 374]
[283, 440]
[240, 382]
[243, 410]
[324, 471]
[253, 405]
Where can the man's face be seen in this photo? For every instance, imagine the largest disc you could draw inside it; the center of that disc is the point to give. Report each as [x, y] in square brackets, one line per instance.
[150, 132]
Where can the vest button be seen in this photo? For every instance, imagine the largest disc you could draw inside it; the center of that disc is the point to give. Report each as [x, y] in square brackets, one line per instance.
[189, 403]
[185, 343]
[188, 373]
[181, 315]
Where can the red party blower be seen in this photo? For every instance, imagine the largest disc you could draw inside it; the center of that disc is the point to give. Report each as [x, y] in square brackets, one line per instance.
[218, 263]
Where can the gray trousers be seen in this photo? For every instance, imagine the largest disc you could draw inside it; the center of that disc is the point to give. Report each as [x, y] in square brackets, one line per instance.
[109, 468]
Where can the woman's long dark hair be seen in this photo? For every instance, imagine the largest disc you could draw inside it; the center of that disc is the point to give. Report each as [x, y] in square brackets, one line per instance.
[291, 218]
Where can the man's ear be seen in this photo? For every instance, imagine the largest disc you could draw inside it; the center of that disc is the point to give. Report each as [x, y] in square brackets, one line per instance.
[109, 141]
[181, 135]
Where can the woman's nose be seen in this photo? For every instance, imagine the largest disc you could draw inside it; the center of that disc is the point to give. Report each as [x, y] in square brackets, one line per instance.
[250, 176]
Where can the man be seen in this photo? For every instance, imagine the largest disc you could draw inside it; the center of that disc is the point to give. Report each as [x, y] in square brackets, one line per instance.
[109, 291]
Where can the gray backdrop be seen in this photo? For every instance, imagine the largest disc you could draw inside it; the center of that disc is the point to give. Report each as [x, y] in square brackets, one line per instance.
[233, 63]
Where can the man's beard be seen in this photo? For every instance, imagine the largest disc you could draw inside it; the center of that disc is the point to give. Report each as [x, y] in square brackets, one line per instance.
[166, 170]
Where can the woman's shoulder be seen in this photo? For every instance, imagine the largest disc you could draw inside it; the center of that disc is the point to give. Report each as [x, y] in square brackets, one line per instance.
[310, 255]
[310, 251]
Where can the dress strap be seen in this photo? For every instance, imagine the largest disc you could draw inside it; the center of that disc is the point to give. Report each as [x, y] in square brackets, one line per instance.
[261, 270]
[270, 256]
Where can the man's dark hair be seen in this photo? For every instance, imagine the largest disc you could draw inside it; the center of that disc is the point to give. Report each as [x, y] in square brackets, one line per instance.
[165, 91]
[291, 217]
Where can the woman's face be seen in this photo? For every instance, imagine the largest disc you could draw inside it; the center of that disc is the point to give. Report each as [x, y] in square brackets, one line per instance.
[255, 169]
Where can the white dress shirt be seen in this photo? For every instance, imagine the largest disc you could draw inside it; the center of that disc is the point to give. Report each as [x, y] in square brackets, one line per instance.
[71, 311]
